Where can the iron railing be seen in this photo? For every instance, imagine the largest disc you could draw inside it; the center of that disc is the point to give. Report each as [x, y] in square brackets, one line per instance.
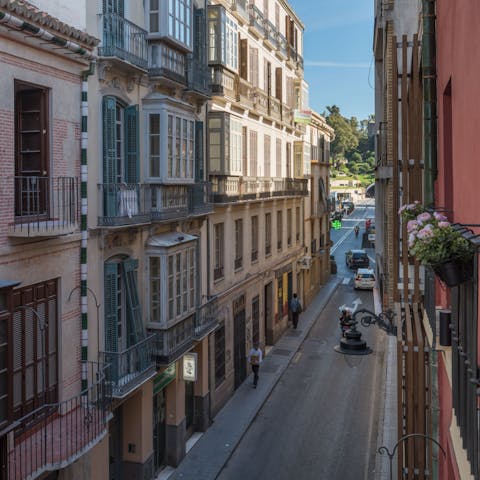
[45, 206]
[130, 368]
[257, 20]
[282, 44]
[55, 435]
[166, 62]
[233, 189]
[121, 204]
[172, 343]
[206, 319]
[271, 34]
[198, 79]
[168, 201]
[123, 39]
[241, 7]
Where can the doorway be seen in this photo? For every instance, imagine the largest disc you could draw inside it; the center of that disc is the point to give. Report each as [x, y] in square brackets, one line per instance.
[159, 431]
[190, 408]
[240, 362]
[115, 440]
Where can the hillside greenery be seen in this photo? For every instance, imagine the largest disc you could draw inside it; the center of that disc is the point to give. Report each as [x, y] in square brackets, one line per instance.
[352, 151]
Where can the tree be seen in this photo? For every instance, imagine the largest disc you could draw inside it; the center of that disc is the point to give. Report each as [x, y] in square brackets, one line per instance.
[345, 137]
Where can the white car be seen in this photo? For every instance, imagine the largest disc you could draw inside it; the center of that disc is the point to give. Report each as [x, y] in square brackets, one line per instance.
[364, 278]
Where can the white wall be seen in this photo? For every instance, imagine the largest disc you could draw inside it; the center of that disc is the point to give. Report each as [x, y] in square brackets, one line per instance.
[71, 12]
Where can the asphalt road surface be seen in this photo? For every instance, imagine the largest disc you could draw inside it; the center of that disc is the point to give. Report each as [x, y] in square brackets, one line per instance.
[321, 420]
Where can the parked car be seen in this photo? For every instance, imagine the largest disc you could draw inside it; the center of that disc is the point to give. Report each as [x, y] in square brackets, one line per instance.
[364, 278]
[336, 216]
[357, 259]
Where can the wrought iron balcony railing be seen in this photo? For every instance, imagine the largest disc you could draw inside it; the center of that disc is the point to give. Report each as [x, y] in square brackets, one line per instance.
[44, 206]
[122, 204]
[166, 202]
[228, 189]
[124, 40]
[257, 20]
[206, 319]
[271, 34]
[130, 368]
[198, 78]
[282, 45]
[56, 435]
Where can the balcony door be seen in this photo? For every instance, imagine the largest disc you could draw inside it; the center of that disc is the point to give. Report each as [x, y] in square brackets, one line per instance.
[31, 150]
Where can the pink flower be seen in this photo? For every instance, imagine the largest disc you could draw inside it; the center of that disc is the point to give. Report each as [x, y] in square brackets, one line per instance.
[423, 217]
[426, 232]
[401, 209]
[439, 217]
[411, 240]
[443, 224]
[412, 226]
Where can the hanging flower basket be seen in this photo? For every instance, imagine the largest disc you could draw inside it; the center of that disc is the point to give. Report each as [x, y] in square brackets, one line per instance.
[453, 272]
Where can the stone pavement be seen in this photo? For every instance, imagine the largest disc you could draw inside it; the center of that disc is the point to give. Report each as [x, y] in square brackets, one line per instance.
[212, 450]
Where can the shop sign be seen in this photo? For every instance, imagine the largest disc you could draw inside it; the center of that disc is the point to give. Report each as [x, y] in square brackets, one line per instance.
[190, 367]
[164, 378]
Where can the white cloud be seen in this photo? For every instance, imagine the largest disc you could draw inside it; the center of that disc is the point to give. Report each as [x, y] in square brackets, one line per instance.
[314, 63]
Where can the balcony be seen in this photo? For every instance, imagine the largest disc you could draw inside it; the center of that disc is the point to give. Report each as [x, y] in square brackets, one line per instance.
[271, 35]
[206, 319]
[245, 93]
[123, 40]
[44, 207]
[172, 343]
[121, 204]
[56, 435]
[129, 369]
[241, 189]
[260, 102]
[240, 10]
[275, 109]
[200, 199]
[167, 202]
[223, 83]
[257, 21]
[167, 64]
[198, 79]
[282, 50]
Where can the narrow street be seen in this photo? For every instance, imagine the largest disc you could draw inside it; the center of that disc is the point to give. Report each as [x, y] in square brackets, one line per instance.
[321, 420]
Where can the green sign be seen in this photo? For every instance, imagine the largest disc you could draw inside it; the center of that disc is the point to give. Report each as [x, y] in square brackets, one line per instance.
[164, 378]
[336, 224]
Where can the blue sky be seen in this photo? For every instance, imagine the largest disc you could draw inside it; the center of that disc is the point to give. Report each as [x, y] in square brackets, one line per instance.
[338, 54]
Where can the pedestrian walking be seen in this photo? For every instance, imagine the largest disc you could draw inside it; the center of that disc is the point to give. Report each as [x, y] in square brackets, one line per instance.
[255, 358]
[296, 309]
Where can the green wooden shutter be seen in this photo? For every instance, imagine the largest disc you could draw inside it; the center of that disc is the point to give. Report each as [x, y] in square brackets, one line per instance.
[111, 307]
[131, 144]
[109, 157]
[135, 329]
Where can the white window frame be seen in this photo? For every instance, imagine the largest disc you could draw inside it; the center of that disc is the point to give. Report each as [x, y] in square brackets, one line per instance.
[174, 168]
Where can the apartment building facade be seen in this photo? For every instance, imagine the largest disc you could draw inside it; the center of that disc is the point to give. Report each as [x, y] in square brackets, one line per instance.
[256, 233]
[53, 400]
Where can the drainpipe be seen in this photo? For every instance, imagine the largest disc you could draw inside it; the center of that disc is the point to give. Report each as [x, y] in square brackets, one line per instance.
[83, 223]
[18, 24]
[429, 102]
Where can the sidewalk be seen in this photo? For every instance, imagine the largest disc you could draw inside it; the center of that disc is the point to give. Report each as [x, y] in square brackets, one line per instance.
[212, 450]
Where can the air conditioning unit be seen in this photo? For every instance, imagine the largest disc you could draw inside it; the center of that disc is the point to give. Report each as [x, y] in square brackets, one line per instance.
[305, 262]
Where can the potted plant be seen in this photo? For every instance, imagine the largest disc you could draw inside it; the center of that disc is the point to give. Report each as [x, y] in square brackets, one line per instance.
[434, 242]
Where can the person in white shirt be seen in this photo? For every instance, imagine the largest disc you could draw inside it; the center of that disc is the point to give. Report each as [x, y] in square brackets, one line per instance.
[255, 358]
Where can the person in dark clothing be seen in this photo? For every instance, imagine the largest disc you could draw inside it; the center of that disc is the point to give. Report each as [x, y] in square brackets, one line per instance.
[296, 309]
[255, 358]
[345, 321]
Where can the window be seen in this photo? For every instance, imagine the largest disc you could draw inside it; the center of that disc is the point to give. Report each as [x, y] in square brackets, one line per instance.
[253, 153]
[278, 158]
[268, 234]
[123, 317]
[164, 57]
[253, 66]
[31, 150]
[245, 149]
[256, 320]
[266, 154]
[267, 77]
[219, 355]
[180, 275]
[225, 144]
[243, 59]
[254, 238]
[279, 229]
[219, 251]
[222, 38]
[120, 158]
[177, 148]
[289, 160]
[297, 224]
[289, 227]
[34, 356]
[238, 244]
[178, 15]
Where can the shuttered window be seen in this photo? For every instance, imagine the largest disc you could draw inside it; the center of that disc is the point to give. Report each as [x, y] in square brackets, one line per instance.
[278, 83]
[238, 263]
[268, 234]
[253, 66]
[279, 230]
[219, 355]
[253, 153]
[266, 153]
[254, 256]
[243, 57]
[35, 344]
[278, 158]
[219, 251]
[289, 227]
